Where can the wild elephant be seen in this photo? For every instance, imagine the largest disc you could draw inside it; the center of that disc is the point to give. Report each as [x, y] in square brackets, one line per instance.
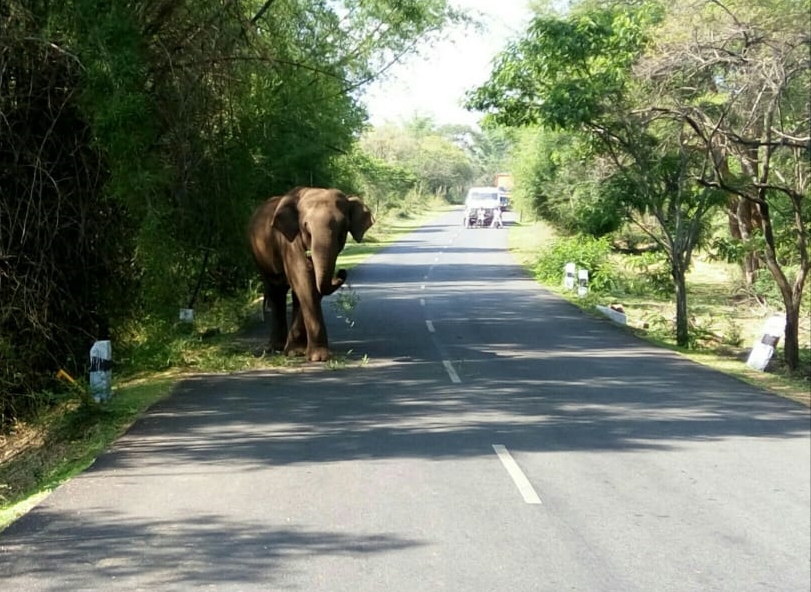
[295, 240]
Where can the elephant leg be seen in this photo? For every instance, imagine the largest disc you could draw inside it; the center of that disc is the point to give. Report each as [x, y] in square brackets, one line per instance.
[313, 319]
[297, 337]
[276, 298]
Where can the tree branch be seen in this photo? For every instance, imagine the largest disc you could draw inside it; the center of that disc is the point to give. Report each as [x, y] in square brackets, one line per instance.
[262, 11]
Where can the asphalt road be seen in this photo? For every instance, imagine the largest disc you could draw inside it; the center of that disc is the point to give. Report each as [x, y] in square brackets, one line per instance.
[483, 435]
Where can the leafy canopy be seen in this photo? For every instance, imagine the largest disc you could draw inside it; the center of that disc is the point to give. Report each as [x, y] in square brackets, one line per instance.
[564, 72]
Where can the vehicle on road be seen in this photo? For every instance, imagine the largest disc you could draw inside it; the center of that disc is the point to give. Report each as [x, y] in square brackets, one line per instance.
[480, 205]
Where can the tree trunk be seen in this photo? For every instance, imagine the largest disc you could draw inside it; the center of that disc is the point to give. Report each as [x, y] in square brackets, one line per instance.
[791, 346]
[791, 296]
[680, 284]
[743, 218]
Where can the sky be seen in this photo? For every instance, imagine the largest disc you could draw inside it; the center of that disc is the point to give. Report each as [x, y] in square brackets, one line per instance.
[434, 83]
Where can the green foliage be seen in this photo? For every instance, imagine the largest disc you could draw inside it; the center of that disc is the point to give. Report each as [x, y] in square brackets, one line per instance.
[590, 211]
[161, 341]
[733, 333]
[561, 182]
[725, 248]
[378, 181]
[344, 303]
[650, 274]
[565, 71]
[64, 247]
[490, 151]
[139, 137]
[115, 100]
[765, 290]
[395, 161]
[587, 253]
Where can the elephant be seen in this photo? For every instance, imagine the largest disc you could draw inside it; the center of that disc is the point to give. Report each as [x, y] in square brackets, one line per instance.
[295, 240]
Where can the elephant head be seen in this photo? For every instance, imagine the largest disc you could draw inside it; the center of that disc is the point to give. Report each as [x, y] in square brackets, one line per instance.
[318, 220]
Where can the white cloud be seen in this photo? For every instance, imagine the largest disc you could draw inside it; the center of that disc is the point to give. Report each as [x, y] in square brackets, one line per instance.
[435, 84]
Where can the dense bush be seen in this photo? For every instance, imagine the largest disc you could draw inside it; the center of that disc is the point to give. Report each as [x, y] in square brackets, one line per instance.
[65, 247]
[587, 253]
[650, 274]
[135, 140]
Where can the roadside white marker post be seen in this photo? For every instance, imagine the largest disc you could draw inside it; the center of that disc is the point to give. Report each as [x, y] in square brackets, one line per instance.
[763, 349]
[582, 282]
[568, 276]
[101, 356]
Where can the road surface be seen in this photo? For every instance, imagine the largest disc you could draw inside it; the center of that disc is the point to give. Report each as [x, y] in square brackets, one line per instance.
[482, 435]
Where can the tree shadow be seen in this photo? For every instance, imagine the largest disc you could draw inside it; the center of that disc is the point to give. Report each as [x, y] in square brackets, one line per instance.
[536, 375]
[409, 409]
[203, 550]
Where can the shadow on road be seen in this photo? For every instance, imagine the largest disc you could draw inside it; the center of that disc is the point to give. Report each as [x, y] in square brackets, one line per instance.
[203, 550]
[406, 409]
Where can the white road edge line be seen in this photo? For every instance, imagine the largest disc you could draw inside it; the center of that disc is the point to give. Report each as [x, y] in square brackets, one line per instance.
[518, 477]
[430, 326]
[451, 372]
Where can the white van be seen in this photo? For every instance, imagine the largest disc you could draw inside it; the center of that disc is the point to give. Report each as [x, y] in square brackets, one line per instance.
[480, 204]
[485, 195]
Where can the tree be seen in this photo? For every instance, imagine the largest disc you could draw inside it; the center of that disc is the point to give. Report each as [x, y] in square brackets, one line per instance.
[559, 178]
[739, 75]
[490, 150]
[575, 73]
[136, 137]
[722, 89]
[64, 248]
[438, 165]
[382, 183]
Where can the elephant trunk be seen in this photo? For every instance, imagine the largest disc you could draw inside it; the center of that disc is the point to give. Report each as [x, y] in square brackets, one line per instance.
[327, 281]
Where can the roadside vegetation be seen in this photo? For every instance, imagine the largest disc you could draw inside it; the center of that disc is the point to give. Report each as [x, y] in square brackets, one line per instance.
[667, 150]
[70, 430]
[726, 319]
[662, 118]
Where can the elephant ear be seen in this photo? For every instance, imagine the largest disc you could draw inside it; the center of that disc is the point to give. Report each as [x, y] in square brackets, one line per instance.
[285, 218]
[360, 218]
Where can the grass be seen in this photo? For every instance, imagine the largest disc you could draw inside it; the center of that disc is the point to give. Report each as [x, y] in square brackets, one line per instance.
[38, 455]
[66, 439]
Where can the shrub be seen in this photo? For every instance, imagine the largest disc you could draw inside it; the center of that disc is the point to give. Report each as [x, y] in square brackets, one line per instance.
[587, 253]
[651, 274]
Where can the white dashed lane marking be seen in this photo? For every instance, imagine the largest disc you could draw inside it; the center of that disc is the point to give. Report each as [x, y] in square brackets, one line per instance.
[448, 366]
[451, 372]
[518, 477]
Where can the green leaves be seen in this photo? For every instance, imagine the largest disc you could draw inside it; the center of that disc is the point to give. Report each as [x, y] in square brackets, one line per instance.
[141, 134]
[564, 73]
[418, 154]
